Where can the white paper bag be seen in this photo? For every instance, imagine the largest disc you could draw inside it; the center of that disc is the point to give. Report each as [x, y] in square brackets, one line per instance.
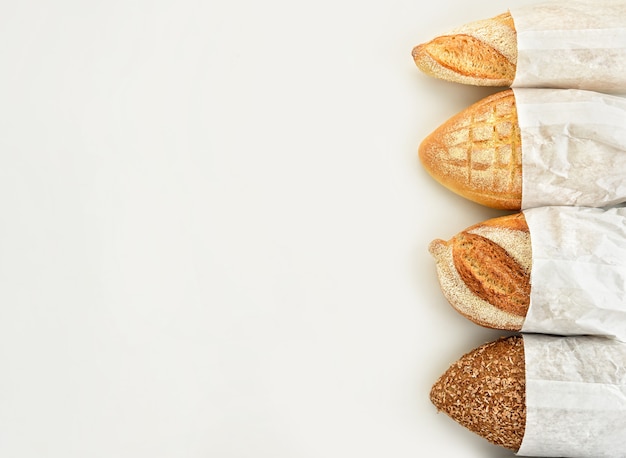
[575, 397]
[578, 272]
[573, 147]
[572, 44]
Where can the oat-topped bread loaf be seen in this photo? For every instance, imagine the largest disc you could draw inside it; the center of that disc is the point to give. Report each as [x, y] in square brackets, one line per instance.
[528, 147]
[484, 391]
[567, 44]
[553, 270]
[541, 395]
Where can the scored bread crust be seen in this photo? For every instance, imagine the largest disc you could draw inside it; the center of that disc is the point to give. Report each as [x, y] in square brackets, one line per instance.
[480, 53]
[477, 153]
[484, 271]
[485, 391]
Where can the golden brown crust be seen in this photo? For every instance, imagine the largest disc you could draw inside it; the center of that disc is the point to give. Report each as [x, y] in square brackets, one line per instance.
[485, 391]
[477, 153]
[514, 222]
[505, 19]
[482, 53]
[484, 271]
[489, 271]
[448, 51]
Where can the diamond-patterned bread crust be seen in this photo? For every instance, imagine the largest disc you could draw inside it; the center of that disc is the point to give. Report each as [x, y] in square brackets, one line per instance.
[478, 154]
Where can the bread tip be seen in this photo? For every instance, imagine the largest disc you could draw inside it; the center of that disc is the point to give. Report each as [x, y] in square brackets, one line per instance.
[424, 61]
[416, 52]
[437, 247]
[427, 153]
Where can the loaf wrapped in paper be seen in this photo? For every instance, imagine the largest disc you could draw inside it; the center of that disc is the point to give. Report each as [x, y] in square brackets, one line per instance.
[524, 148]
[541, 395]
[552, 270]
[572, 44]
[561, 44]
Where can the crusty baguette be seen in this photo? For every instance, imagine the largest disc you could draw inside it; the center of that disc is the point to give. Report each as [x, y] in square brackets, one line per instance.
[484, 391]
[484, 271]
[480, 53]
[478, 153]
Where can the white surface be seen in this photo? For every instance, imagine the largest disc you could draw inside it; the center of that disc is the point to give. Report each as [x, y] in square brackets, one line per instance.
[214, 229]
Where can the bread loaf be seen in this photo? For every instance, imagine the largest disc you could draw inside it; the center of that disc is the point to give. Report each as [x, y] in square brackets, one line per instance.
[480, 53]
[555, 270]
[567, 44]
[541, 395]
[484, 271]
[530, 147]
[484, 391]
[478, 153]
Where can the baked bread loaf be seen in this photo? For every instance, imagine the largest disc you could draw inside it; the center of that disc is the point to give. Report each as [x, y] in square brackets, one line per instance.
[484, 391]
[480, 53]
[478, 153]
[541, 395]
[533, 147]
[557, 270]
[484, 271]
[566, 44]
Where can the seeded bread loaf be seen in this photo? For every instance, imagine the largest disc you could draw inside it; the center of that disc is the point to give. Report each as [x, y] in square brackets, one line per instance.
[541, 395]
[484, 271]
[484, 391]
[480, 53]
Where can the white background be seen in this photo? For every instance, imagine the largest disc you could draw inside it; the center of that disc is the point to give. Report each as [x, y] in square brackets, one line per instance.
[214, 230]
